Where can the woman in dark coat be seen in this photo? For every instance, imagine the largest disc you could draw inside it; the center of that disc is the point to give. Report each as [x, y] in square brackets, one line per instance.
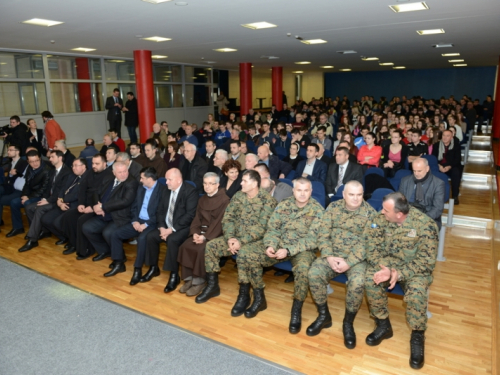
[171, 157]
[294, 157]
[231, 178]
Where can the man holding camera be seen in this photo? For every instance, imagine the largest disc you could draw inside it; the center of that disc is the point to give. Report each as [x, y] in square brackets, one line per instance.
[15, 134]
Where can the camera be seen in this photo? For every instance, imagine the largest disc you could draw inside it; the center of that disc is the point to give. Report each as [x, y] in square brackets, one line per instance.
[5, 130]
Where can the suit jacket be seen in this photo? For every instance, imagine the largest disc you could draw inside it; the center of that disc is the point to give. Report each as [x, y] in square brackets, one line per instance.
[325, 159]
[114, 113]
[210, 160]
[354, 171]
[135, 170]
[57, 186]
[319, 170]
[70, 191]
[19, 167]
[277, 167]
[154, 200]
[198, 170]
[92, 184]
[282, 191]
[36, 142]
[184, 210]
[121, 200]
[434, 191]
[35, 187]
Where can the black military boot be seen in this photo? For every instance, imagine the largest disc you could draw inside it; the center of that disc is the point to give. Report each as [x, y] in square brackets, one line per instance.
[382, 331]
[243, 300]
[211, 290]
[296, 318]
[324, 320]
[348, 330]
[259, 303]
[417, 349]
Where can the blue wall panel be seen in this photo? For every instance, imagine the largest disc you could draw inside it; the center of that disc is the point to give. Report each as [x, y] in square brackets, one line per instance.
[429, 83]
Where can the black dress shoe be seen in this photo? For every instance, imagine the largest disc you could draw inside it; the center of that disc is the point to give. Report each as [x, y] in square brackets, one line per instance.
[69, 250]
[67, 245]
[26, 238]
[28, 246]
[15, 232]
[61, 241]
[152, 272]
[136, 277]
[173, 282]
[44, 234]
[118, 267]
[82, 257]
[99, 257]
[1, 223]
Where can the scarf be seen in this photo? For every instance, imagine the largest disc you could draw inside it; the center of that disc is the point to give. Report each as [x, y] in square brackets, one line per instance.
[441, 149]
[419, 191]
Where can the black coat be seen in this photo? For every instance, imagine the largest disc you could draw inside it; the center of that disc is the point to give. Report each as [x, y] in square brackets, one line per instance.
[37, 143]
[354, 171]
[184, 210]
[235, 186]
[154, 200]
[277, 167]
[18, 136]
[120, 202]
[55, 187]
[70, 191]
[132, 115]
[114, 113]
[135, 170]
[39, 184]
[198, 169]
[69, 158]
[92, 184]
[453, 157]
[9, 180]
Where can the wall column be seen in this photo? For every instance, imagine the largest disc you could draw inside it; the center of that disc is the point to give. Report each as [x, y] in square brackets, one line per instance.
[277, 87]
[145, 92]
[84, 89]
[245, 87]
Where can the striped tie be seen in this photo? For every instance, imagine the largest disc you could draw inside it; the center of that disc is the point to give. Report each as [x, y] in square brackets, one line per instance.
[170, 215]
[341, 177]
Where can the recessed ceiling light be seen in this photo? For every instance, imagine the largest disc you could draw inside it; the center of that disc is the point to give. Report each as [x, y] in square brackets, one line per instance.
[210, 62]
[225, 50]
[156, 39]
[201, 74]
[258, 25]
[116, 61]
[345, 70]
[181, 3]
[3, 63]
[298, 71]
[409, 7]
[430, 31]
[456, 60]
[326, 66]
[399, 67]
[159, 57]
[42, 22]
[156, 1]
[369, 58]
[459, 64]
[303, 62]
[194, 77]
[450, 54]
[443, 45]
[386, 64]
[346, 52]
[269, 57]
[314, 41]
[83, 49]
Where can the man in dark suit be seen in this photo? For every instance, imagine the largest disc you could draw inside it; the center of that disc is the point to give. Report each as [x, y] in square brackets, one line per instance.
[114, 106]
[210, 154]
[175, 213]
[143, 221]
[277, 168]
[134, 168]
[352, 158]
[35, 186]
[17, 133]
[131, 116]
[342, 171]
[68, 156]
[35, 211]
[193, 167]
[112, 210]
[312, 168]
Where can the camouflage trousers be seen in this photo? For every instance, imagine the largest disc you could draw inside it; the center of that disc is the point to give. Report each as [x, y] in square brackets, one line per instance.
[218, 248]
[320, 275]
[415, 290]
[250, 264]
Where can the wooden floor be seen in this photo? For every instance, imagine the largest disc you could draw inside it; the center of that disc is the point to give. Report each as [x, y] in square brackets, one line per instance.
[459, 335]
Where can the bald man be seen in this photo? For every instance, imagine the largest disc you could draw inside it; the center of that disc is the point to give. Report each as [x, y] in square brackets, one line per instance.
[277, 168]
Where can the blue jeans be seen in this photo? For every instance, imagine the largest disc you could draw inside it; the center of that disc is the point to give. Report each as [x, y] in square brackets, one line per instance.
[15, 211]
[132, 134]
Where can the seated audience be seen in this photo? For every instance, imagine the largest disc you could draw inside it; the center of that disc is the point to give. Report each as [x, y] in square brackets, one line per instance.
[193, 167]
[153, 158]
[68, 157]
[235, 150]
[370, 153]
[189, 137]
[277, 190]
[89, 151]
[321, 154]
[159, 133]
[12, 185]
[312, 168]
[342, 171]
[134, 168]
[231, 180]
[448, 154]
[107, 141]
[393, 155]
[117, 140]
[135, 153]
[172, 157]
[221, 156]
[322, 138]
[293, 158]
[277, 167]
[416, 148]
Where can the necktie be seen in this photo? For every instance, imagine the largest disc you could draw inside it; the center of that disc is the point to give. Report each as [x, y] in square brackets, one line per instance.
[170, 214]
[54, 182]
[341, 177]
[115, 185]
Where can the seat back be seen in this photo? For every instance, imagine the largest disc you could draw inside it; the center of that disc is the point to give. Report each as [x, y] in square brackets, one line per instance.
[286, 181]
[447, 187]
[318, 192]
[374, 170]
[379, 194]
[191, 183]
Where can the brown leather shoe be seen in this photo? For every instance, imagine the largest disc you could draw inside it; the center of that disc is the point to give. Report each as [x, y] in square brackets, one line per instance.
[195, 290]
[186, 286]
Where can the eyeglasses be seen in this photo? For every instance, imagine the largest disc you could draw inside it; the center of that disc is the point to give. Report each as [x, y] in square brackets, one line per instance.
[210, 183]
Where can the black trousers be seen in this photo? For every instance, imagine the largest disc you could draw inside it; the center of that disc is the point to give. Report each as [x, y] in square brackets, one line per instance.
[72, 222]
[98, 232]
[126, 232]
[174, 241]
[52, 221]
[455, 174]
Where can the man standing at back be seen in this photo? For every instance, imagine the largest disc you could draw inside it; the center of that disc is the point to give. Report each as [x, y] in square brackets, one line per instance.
[114, 106]
[53, 131]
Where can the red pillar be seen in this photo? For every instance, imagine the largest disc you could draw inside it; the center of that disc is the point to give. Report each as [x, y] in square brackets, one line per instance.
[245, 87]
[277, 87]
[496, 114]
[84, 89]
[145, 92]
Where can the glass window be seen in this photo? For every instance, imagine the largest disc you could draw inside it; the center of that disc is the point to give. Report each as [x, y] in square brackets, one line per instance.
[20, 65]
[65, 67]
[163, 96]
[197, 95]
[119, 70]
[22, 98]
[167, 73]
[97, 96]
[95, 69]
[64, 97]
[197, 74]
[177, 91]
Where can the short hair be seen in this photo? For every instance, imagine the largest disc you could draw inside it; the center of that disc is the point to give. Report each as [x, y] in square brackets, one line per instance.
[416, 131]
[353, 183]
[46, 114]
[82, 160]
[62, 142]
[211, 141]
[113, 131]
[344, 149]
[315, 145]
[205, 123]
[283, 133]
[149, 172]
[212, 174]
[372, 134]
[163, 122]
[230, 164]
[302, 180]
[264, 167]
[135, 144]
[119, 164]
[252, 175]
[15, 117]
[186, 144]
[99, 156]
[58, 153]
[16, 146]
[184, 122]
[421, 160]
[89, 142]
[322, 128]
[223, 153]
[234, 141]
[151, 142]
[174, 145]
[400, 202]
[32, 153]
[114, 148]
[130, 93]
[295, 131]
[116, 89]
[123, 155]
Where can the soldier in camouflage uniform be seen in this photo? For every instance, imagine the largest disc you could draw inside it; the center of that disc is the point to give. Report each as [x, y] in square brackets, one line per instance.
[403, 249]
[342, 239]
[243, 225]
[287, 239]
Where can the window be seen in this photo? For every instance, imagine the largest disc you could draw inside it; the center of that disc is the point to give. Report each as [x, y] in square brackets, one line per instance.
[20, 65]
[197, 75]
[167, 73]
[198, 95]
[22, 98]
[119, 70]
[164, 96]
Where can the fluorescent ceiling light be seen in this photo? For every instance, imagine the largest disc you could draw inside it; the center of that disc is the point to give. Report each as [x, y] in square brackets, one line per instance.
[225, 50]
[209, 62]
[450, 54]
[313, 41]
[302, 62]
[326, 66]
[443, 45]
[3, 63]
[83, 49]
[459, 64]
[258, 25]
[116, 61]
[298, 72]
[369, 58]
[346, 52]
[430, 31]
[159, 57]
[156, 39]
[42, 22]
[156, 1]
[410, 7]
[269, 57]
[345, 70]
[181, 3]
[386, 64]
[399, 67]
[456, 60]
